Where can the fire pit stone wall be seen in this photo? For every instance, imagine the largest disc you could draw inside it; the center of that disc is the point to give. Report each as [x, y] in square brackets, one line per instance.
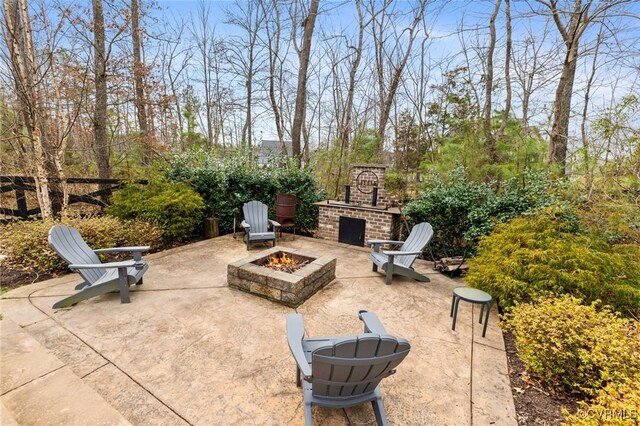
[290, 289]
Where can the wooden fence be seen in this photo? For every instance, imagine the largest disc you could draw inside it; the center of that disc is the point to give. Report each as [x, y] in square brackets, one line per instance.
[23, 184]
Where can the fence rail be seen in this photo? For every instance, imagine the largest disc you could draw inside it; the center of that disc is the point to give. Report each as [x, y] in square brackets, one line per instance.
[23, 184]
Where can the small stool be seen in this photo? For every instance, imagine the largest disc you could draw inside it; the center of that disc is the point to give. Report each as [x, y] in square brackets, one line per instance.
[472, 295]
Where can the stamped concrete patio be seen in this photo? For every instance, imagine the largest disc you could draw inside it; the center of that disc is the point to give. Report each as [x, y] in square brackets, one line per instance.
[190, 350]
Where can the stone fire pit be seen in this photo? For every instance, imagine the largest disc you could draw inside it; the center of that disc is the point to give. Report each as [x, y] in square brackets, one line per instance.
[290, 289]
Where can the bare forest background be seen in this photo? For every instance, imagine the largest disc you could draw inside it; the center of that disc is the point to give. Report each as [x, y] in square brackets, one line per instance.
[106, 88]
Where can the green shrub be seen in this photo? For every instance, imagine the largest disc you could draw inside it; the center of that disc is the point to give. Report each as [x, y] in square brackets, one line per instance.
[618, 223]
[25, 243]
[546, 253]
[461, 210]
[226, 184]
[616, 405]
[573, 347]
[175, 208]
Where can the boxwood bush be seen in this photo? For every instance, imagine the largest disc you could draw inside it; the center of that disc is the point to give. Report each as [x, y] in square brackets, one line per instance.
[25, 242]
[461, 210]
[573, 347]
[175, 208]
[227, 183]
[550, 252]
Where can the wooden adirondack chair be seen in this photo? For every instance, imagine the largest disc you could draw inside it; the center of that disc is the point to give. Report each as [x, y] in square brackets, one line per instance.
[99, 278]
[341, 372]
[256, 223]
[399, 261]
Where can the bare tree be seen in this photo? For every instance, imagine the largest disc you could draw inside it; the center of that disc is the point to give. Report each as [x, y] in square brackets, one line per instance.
[273, 30]
[28, 81]
[532, 66]
[100, 143]
[203, 35]
[490, 141]
[139, 72]
[391, 56]
[577, 20]
[245, 56]
[507, 70]
[304, 53]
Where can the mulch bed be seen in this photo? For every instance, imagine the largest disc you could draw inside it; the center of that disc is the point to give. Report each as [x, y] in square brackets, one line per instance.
[14, 278]
[534, 406]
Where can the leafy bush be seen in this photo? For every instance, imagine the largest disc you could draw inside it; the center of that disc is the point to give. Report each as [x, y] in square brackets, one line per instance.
[175, 208]
[461, 211]
[618, 223]
[616, 405]
[226, 184]
[573, 347]
[546, 252]
[25, 243]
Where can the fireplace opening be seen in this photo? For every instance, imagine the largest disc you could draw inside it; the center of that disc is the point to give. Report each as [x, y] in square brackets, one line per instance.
[351, 231]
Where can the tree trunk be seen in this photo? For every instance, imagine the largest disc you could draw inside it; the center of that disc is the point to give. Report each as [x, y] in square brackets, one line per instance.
[507, 71]
[100, 143]
[490, 140]
[562, 109]
[138, 77]
[301, 93]
[26, 76]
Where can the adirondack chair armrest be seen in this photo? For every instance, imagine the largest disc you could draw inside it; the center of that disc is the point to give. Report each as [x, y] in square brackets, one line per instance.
[372, 323]
[245, 226]
[401, 253]
[139, 249]
[109, 265]
[274, 223]
[371, 242]
[295, 335]
[376, 244]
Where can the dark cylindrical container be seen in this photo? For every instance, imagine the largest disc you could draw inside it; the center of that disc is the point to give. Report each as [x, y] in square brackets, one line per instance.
[347, 194]
[211, 227]
[374, 196]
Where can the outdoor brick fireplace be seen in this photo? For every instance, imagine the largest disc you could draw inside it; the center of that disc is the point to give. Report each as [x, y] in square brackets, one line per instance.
[290, 289]
[364, 213]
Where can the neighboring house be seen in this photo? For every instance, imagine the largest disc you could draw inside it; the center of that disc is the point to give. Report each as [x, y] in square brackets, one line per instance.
[273, 148]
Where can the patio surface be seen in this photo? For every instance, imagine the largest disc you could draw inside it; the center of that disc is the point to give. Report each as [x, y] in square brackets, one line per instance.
[190, 350]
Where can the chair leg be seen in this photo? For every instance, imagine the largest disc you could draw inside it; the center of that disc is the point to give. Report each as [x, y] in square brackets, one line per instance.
[308, 414]
[123, 285]
[453, 301]
[389, 270]
[298, 379]
[375, 268]
[378, 410]
[141, 281]
[455, 313]
[486, 319]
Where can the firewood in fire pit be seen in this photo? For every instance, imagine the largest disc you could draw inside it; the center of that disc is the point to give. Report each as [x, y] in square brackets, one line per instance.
[284, 263]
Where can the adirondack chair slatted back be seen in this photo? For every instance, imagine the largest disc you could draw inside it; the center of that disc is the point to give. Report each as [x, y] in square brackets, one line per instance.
[69, 245]
[417, 241]
[355, 366]
[255, 214]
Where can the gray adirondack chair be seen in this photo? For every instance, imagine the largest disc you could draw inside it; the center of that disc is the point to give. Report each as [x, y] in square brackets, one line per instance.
[256, 223]
[341, 372]
[399, 261]
[99, 278]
